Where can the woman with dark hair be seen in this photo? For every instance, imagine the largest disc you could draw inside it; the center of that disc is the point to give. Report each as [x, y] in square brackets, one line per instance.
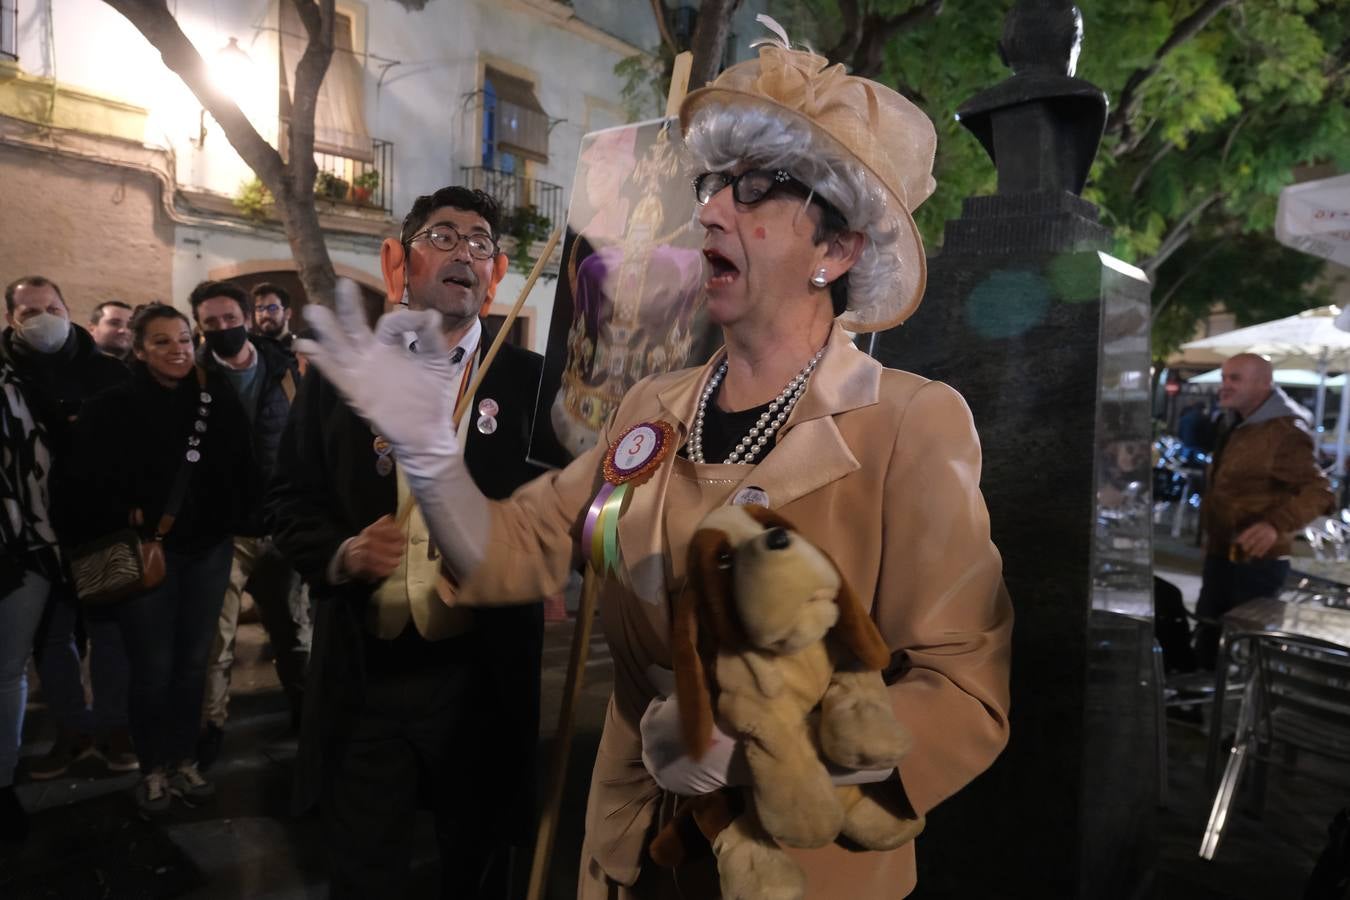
[166, 443]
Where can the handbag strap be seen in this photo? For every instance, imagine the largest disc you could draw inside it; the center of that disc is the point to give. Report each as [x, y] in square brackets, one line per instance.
[180, 481]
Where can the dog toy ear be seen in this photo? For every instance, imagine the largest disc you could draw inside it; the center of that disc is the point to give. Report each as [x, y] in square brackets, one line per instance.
[706, 588]
[857, 631]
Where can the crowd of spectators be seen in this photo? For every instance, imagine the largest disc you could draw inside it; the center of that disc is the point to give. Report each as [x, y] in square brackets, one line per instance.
[141, 419]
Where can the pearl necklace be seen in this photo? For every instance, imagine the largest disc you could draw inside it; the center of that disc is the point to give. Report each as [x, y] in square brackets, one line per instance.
[764, 429]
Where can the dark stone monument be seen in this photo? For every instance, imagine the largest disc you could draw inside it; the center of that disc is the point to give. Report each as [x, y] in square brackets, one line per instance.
[1047, 338]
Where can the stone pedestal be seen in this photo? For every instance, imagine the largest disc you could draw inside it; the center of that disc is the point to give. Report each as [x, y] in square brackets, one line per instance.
[1047, 339]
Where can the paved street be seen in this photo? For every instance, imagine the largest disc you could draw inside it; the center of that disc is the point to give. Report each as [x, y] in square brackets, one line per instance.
[89, 843]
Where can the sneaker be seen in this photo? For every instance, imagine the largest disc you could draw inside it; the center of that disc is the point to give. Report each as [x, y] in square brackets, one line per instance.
[70, 747]
[13, 817]
[152, 793]
[186, 783]
[208, 746]
[117, 752]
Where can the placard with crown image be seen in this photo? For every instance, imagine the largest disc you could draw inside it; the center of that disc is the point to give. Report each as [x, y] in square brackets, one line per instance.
[630, 300]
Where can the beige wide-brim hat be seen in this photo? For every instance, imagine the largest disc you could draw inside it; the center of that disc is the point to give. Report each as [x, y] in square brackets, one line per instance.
[868, 122]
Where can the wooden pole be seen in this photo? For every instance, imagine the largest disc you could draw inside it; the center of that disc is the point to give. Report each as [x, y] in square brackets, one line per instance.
[562, 738]
[581, 637]
[679, 83]
[467, 400]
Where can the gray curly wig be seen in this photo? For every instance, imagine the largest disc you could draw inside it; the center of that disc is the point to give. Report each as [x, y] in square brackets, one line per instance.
[720, 137]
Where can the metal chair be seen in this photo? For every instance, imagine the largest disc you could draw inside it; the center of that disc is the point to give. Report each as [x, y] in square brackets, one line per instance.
[1297, 699]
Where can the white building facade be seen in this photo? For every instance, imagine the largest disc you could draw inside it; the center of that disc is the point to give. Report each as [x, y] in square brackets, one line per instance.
[114, 183]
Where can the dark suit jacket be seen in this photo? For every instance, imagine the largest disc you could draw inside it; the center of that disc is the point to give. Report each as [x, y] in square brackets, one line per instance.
[325, 490]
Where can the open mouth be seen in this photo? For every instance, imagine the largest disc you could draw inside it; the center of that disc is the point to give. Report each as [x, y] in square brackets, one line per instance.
[724, 272]
[458, 280]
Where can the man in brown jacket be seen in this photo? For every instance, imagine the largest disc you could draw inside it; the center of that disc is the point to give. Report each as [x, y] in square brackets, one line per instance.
[1264, 485]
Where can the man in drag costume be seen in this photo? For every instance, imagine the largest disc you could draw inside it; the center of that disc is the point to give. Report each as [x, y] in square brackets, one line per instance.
[806, 178]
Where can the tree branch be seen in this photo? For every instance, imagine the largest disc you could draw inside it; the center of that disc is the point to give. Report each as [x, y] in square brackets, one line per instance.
[851, 35]
[1127, 104]
[709, 41]
[291, 181]
[1194, 267]
[1179, 234]
[659, 14]
[309, 75]
[154, 21]
[876, 31]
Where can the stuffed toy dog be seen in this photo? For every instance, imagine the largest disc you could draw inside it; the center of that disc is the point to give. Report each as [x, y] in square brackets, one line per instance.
[768, 631]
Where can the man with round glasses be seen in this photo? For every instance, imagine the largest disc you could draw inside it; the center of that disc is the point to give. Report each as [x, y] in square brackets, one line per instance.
[272, 314]
[402, 687]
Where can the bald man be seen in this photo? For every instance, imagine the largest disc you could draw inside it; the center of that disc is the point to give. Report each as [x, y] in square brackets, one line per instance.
[1264, 485]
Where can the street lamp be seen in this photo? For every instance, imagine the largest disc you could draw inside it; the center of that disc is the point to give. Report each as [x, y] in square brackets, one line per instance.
[231, 71]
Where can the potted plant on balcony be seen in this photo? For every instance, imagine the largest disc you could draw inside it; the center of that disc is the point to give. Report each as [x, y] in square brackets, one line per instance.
[329, 186]
[365, 185]
[525, 226]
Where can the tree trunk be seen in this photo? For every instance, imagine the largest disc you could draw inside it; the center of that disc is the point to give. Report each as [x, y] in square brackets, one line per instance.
[709, 42]
[290, 181]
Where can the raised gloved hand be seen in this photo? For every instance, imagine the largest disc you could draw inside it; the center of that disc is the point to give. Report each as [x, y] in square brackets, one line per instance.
[406, 389]
[408, 394]
[724, 764]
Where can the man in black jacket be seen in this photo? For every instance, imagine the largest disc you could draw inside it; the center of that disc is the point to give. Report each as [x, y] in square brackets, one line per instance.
[265, 378]
[409, 699]
[62, 367]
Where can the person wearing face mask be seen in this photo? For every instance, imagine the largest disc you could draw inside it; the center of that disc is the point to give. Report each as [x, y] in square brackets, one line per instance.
[264, 378]
[61, 367]
[157, 438]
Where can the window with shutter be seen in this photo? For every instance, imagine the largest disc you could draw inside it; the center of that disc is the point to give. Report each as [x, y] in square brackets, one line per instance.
[514, 122]
[340, 114]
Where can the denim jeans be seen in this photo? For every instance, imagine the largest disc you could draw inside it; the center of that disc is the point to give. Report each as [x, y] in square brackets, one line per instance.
[20, 613]
[60, 668]
[1224, 586]
[168, 633]
[282, 602]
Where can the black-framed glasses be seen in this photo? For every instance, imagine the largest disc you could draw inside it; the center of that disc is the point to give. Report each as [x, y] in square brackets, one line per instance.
[271, 308]
[749, 187]
[447, 237]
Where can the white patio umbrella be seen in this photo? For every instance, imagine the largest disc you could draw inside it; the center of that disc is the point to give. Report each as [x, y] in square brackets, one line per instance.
[1314, 338]
[1314, 217]
[1283, 377]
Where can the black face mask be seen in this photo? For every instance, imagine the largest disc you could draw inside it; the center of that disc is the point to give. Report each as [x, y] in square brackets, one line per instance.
[227, 342]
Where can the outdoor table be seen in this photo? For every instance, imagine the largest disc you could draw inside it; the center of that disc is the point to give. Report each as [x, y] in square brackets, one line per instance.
[1269, 615]
[1333, 574]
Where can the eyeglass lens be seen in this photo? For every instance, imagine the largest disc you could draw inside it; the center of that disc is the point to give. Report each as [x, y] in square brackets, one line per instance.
[447, 238]
[748, 188]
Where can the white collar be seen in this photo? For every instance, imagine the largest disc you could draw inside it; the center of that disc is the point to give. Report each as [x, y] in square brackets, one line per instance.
[470, 340]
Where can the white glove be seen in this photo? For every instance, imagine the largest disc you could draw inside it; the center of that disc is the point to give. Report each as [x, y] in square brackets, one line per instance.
[408, 394]
[664, 756]
[663, 750]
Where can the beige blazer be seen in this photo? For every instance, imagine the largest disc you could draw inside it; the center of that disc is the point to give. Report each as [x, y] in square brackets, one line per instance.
[881, 469]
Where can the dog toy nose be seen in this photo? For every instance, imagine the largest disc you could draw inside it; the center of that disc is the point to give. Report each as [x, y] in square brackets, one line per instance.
[778, 539]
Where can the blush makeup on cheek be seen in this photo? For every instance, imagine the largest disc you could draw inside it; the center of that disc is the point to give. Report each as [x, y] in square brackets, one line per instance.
[760, 232]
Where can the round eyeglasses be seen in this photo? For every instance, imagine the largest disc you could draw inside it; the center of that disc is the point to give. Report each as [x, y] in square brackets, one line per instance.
[748, 188]
[447, 237]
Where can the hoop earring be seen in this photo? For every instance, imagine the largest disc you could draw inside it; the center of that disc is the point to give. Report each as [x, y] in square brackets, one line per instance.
[819, 280]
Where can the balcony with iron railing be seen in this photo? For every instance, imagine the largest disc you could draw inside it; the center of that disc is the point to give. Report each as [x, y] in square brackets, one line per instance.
[365, 184]
[513, 192]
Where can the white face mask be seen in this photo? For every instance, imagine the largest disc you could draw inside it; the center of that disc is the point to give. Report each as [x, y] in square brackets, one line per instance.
[44, 332]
